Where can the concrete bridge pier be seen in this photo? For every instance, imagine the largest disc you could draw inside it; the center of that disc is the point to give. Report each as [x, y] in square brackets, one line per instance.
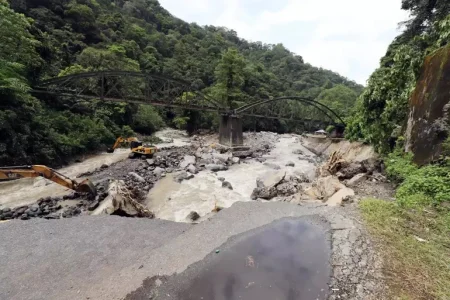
[230, 131]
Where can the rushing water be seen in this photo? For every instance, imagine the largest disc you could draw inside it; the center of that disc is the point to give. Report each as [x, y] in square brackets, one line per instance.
[174, 201]
[26, 191]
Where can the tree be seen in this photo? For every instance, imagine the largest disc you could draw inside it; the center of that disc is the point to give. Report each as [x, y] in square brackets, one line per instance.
[229, 76]
[339, 98]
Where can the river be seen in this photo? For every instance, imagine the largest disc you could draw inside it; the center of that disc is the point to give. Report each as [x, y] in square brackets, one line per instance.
[174, 201]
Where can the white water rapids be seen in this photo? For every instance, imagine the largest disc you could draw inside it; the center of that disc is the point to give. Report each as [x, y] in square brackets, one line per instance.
[174, 201]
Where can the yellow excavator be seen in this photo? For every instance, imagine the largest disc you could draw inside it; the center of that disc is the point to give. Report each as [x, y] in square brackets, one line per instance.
[17, 172]
[137, 149]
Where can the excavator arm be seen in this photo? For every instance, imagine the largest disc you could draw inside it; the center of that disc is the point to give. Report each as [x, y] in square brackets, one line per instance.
[120, 140]
[16, 172]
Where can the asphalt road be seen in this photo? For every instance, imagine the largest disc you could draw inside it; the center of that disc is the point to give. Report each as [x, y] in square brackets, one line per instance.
[109, 257]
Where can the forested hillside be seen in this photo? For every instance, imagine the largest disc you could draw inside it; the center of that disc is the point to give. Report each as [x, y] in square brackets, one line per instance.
[47, 38]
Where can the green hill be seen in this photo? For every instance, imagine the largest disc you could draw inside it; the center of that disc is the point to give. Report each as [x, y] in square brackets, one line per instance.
[47, 38]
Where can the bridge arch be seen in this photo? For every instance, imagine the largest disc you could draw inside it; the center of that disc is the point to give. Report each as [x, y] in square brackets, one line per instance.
[328, 112]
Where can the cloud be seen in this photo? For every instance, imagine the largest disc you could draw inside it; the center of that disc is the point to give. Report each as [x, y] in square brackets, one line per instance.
[346, 36]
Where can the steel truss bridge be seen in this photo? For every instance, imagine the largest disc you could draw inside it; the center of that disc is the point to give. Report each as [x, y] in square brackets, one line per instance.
[159, 90]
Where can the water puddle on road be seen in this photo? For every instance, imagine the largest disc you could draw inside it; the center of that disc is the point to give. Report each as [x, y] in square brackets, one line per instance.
[287, 260]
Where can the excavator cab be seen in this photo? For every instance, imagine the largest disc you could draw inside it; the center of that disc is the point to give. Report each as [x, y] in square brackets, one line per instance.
[135, 144]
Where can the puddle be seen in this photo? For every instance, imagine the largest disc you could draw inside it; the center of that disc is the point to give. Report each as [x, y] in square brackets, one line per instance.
[287, 260]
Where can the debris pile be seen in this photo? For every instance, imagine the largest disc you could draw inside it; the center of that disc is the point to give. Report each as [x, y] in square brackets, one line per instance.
[337, 178]
[278, 185]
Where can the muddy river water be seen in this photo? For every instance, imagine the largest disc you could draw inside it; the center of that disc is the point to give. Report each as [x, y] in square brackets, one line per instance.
[174, 201]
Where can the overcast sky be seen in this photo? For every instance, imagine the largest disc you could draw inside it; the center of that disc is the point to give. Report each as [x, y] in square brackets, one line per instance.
[346, 36]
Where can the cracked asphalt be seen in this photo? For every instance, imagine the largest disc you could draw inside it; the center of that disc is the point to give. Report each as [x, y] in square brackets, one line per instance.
[109, 257]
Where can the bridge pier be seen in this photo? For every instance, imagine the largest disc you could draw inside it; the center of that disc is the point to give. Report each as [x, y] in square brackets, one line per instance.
[230, 131]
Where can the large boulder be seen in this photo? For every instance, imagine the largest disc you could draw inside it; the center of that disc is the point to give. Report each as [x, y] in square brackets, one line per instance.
[136, 177]
[192, 169]
[188, 160]
[158, 171]
[351, 170]
[270, 179]
[327, 186]
[336, 198]
[183, 175]
[357, 179]
[221, 158]
[266, 193]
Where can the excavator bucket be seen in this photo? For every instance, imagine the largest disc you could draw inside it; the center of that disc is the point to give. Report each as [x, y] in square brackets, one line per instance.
[86, 186]
[109, 150]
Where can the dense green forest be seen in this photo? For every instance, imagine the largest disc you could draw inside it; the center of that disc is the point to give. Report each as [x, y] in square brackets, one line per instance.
[47, 38]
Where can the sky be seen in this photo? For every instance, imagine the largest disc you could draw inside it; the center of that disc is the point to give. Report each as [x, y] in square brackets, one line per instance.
[345, 36]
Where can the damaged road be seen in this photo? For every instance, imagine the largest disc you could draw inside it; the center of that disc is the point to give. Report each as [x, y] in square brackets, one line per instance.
[107, 257]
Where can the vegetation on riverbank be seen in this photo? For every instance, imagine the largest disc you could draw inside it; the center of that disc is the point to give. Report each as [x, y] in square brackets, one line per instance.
[413, 232]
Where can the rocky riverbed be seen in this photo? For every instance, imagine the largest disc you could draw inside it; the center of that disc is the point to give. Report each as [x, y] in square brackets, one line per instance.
[192, 178]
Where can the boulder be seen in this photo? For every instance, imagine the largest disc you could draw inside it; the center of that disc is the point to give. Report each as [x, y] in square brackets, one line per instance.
[226, 184]
[183, 175]
[327, 186]
[273, 166]
[290, 164]
[351, 170]
[215, 167]
[270, 179]
[136, 177]
[104, 166]
[266, 193]
[336, 199]
[235, 160]
[357, 179]
[158, 171]
[193, 216]
[150, 162]
[298, 152]
[221, 179]
[221, 158]
[302, 177]
[286, 189]
[192, 169]
[188, 160]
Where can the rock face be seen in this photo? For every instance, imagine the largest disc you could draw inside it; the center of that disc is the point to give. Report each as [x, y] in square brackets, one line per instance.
[429, 108]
